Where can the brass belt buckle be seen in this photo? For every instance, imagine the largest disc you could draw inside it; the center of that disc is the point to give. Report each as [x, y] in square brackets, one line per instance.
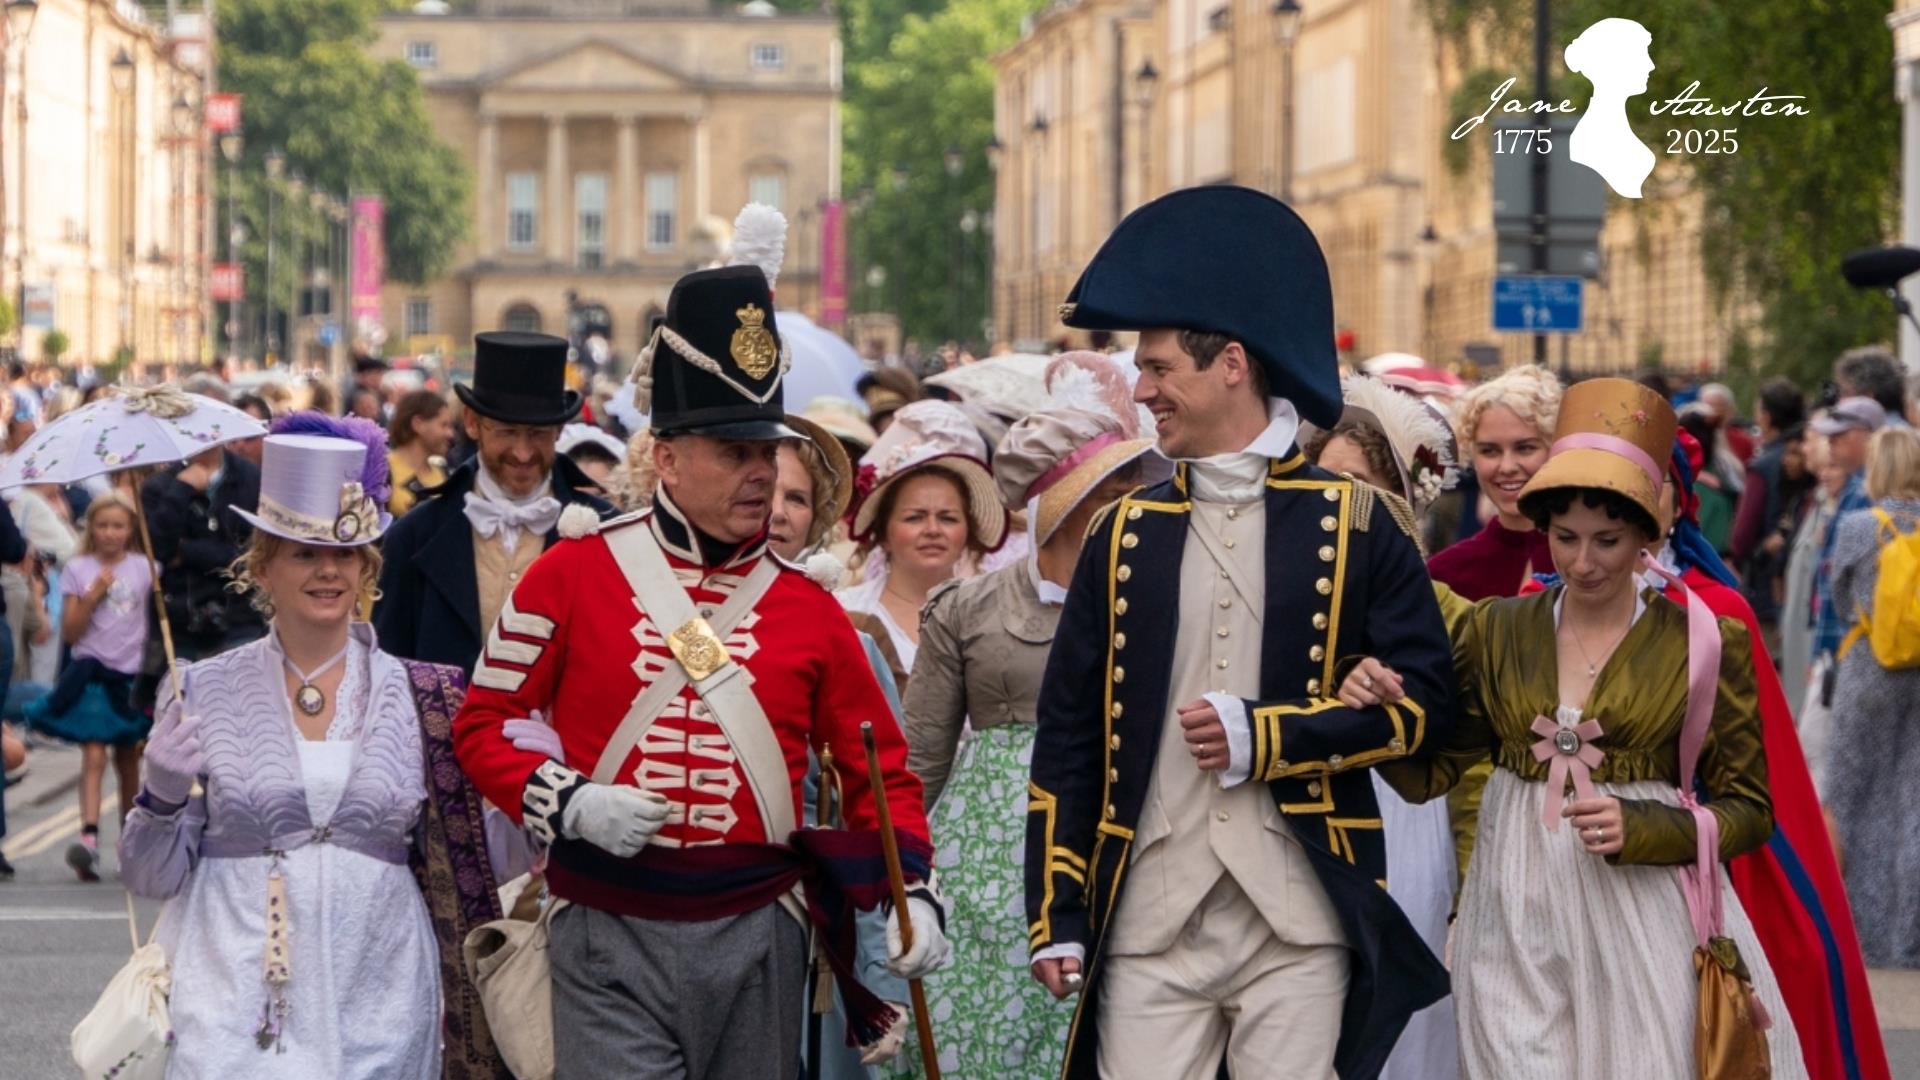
[698, 649]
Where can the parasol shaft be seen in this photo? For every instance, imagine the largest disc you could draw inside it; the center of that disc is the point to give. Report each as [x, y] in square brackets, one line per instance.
[159, 596]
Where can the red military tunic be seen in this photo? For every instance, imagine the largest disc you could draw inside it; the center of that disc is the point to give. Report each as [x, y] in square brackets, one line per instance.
[573, 643]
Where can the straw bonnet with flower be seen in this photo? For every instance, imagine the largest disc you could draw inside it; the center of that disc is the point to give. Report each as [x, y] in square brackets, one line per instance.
[929, 435]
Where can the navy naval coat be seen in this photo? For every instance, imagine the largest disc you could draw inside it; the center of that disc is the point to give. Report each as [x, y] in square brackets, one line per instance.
[429, 607]
[1344, 580]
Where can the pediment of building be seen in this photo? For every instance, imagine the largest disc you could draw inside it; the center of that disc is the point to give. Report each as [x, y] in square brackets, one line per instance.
[591, 65]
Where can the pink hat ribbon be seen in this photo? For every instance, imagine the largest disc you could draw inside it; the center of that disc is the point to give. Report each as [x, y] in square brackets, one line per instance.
[1071, 462]
[1612, 444]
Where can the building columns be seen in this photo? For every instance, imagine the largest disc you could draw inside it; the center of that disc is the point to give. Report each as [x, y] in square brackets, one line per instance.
[628, 213]
[492, 222]
[559, 194]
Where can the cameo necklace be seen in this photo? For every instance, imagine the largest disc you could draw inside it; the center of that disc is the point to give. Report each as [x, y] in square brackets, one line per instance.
[309, 697]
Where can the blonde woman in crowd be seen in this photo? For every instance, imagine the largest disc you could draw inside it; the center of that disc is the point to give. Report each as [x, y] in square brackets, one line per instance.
[1875, 751]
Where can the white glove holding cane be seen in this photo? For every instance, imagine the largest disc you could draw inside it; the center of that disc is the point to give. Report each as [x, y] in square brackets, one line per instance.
[930, 948]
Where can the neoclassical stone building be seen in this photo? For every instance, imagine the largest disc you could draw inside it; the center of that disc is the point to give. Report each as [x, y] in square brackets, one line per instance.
[611, 140]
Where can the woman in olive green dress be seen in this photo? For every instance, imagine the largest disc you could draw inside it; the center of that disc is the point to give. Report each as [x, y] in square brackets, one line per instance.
[1572, 951]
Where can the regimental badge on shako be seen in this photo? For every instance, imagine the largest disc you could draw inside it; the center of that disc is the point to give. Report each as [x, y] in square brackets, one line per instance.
[753, 346]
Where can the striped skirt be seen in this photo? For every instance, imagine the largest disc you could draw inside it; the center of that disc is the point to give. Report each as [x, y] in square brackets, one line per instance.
[1568, 968]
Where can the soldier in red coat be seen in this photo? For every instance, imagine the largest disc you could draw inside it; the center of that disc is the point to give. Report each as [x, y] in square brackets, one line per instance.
[688, 674]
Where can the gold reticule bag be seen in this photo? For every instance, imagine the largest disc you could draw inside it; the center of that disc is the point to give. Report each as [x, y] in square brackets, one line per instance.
[1729, 1037]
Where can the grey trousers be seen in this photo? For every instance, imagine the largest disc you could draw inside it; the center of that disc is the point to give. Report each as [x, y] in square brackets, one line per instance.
[661, 1000]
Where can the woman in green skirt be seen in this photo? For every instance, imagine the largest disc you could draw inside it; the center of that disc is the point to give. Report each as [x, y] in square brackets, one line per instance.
[970, 723]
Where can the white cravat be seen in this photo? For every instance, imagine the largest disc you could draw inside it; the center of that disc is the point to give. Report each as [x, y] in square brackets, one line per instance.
[1241, 476]
[493, 512]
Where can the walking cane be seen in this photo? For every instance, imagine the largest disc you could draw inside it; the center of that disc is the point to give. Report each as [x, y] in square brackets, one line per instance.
[922, 1022]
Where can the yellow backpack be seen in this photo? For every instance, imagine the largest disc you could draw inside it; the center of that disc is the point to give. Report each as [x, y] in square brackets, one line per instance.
[1894, 631]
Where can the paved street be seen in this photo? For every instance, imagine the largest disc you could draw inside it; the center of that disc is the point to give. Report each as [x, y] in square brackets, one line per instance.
[60, 941]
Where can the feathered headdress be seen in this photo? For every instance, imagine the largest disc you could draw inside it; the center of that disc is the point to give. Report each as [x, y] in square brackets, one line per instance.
[374, 479]
[760, 239]
[1422, 443]
[1092, 382]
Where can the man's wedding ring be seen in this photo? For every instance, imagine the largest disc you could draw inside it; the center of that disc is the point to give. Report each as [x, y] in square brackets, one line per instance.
[1366, 681]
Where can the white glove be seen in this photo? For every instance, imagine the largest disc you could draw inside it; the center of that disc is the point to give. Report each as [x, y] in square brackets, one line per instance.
[930, 949]
[614, 818]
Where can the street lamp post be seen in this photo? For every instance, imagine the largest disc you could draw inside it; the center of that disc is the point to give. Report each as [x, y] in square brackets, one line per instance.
[20, 15]
[122, 75]
[1146, 84]
[276, 163]
[1286, 30]
[955, 161]
[183, 127]
[994, 150]
[231, 143]
[296, 187]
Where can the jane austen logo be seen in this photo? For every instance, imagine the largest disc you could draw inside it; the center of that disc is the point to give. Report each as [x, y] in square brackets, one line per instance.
[1615, 56]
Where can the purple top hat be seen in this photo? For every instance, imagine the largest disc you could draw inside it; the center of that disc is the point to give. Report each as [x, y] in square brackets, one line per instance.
[312, 490]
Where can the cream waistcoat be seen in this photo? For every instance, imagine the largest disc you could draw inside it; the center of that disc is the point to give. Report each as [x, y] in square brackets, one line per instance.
[1191, 832]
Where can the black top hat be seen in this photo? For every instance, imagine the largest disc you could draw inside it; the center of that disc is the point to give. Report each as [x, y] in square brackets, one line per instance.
[520, 379]
[715, 365]
[1225, 260]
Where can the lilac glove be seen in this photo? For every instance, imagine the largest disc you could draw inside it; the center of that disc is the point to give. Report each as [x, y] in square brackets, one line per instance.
[534, 735]
[174, 759]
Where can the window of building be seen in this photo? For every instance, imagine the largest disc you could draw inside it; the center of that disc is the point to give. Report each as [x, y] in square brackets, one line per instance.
[523, 210]
[423, 55]
[769, 188]
[419, 316]
[663, 197]
[769, 57]
[590, 214]
[522, 319]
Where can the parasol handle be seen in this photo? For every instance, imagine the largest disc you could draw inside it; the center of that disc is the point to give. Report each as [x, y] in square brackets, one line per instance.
[159, 596]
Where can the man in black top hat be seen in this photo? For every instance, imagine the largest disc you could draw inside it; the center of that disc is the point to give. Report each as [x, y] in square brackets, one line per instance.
[1204, 847]
[452, 560]
[689, 674]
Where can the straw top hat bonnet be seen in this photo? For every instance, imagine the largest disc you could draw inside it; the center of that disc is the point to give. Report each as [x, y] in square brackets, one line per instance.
[1614, 435]
[930, 433]
[322, 482]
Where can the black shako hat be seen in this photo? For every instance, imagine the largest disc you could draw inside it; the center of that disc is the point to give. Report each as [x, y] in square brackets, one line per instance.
[715, 364]
[1225, 260]
[520, 379]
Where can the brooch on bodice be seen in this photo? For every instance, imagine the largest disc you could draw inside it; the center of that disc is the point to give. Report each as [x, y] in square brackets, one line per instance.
[1570, 754]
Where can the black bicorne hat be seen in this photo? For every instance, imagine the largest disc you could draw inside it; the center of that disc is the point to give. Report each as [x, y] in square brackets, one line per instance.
[1225, 260]
[715, 365]
[520, 379]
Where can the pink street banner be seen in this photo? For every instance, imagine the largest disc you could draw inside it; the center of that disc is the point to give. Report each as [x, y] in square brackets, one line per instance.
[369, 259]
[223, 113]
[833, 265]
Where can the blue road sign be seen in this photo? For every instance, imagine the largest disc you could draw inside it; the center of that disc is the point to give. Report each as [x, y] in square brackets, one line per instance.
[1536, 304]
[329, 333]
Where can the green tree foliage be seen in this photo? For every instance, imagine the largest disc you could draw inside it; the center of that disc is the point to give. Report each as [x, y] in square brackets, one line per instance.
[920, 82]
[1800, 192]
[54, 345]
[349, 123]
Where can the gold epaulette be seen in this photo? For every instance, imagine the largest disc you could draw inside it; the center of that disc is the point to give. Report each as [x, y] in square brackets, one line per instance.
[1363, 496]
[1402, 514]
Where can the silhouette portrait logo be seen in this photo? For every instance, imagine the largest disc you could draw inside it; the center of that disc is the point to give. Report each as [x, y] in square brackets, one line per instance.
[1616, 57]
